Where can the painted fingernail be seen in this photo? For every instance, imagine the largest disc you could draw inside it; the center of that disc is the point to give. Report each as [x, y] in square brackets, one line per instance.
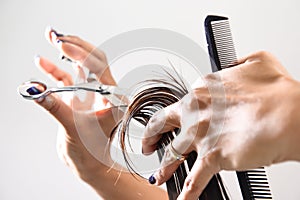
[62, 57]
[33, 90]
[49, 28]
[59, 41]
[152, 179]
[58, 34]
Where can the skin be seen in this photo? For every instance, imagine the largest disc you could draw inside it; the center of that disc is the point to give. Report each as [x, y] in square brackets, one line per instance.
[76, 143]
[254, 123]
[239, 136]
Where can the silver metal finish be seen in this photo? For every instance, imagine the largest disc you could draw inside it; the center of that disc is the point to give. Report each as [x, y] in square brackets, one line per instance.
[114, 94]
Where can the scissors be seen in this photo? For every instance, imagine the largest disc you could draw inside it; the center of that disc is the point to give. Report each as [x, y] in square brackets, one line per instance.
[34, 90]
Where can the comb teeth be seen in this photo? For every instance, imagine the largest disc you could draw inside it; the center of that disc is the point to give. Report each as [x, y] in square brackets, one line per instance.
[258, 182]
[254, 184]
[224, 43]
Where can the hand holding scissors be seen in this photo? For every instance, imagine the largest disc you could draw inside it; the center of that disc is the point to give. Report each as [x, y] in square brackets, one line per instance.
[71, 148]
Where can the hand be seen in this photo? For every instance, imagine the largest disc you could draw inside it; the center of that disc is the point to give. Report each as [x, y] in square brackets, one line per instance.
[82, 144]
[239, 118]
[77, 144]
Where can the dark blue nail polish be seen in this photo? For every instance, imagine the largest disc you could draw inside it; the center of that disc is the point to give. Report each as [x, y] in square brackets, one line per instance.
[66, 59]
[59, 41]
[33, 90]
[152, 179]
[58, 34]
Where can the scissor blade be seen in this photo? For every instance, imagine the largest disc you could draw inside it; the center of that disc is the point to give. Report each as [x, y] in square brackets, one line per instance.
[115, 96]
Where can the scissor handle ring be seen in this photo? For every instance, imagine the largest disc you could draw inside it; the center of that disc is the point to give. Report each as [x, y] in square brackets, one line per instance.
[33, 89]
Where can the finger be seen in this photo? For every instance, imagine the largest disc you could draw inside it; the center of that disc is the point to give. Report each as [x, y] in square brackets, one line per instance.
[52, 35]
[268, 57]
[171, 160]
[51, 69]
[264, 61]
[85, 45]
[84, 53]
[62, 112]
[161, 122]
[48, 34]
[84, 58]
[199, 176]
[256, 56]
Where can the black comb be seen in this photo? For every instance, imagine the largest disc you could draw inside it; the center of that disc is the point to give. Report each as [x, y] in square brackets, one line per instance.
[253, 183]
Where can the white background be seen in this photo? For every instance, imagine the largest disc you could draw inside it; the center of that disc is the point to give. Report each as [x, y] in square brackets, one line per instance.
[30, 168]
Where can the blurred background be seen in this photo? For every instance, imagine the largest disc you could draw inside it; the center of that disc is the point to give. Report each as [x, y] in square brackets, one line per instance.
[30, 167]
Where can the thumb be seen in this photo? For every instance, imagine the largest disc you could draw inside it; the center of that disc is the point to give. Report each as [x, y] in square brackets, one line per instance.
[58, 109]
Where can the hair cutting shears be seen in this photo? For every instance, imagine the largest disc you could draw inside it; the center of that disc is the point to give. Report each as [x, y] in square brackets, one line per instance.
[34, 90]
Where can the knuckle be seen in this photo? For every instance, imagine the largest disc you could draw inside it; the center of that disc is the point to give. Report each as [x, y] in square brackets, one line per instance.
[213, 160]
[197, 99]
[144, 141]
[197, 131]
[191, 101]
[53, 107]
[151, 125]
[210, 77]
[102, 54]
[263, 55]
[192, 130]
[236, 161]
[155, 124]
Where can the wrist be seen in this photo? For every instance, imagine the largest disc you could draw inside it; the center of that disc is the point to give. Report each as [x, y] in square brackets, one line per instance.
[99, 179]
[293, 122]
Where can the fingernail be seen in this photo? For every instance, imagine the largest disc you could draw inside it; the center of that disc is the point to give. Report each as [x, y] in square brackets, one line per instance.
[58, 34]
[59, 41]
[49, 28]
[33, 90]
[152, 179]
[62, 57]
